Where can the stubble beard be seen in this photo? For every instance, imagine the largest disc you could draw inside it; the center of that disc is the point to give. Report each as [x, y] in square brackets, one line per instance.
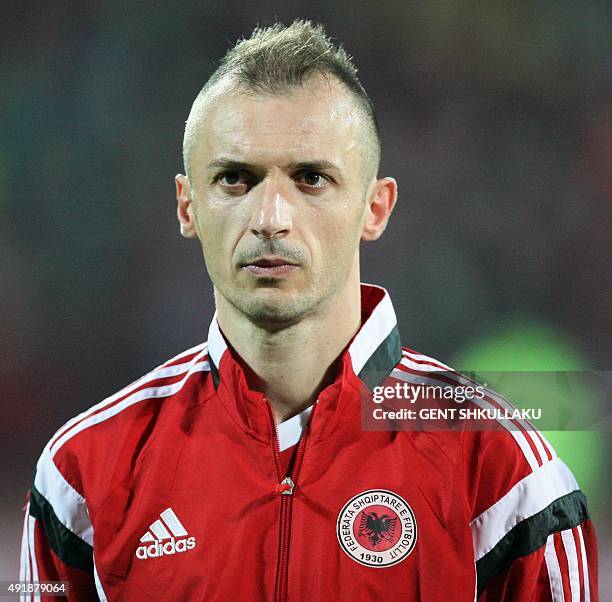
[271, 308]
[269, 303]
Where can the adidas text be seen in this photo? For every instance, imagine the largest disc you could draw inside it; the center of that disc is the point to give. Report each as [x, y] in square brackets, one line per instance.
[157, 549]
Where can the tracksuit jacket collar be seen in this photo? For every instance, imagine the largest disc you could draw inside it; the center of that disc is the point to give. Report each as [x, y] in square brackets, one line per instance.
[369, 358]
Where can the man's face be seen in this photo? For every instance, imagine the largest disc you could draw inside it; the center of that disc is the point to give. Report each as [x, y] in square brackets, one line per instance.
[277, 198]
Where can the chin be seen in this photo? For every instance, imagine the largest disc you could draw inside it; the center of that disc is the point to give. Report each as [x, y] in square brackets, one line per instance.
[274, 307]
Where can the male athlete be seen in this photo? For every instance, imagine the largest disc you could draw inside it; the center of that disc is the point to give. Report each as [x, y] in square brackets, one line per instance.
[239, 470]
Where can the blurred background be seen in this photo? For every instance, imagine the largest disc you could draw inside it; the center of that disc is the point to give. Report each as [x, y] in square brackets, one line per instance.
[495, 121]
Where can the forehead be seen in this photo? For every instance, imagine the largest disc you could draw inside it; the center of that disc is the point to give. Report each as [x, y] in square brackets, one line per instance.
[316, 121]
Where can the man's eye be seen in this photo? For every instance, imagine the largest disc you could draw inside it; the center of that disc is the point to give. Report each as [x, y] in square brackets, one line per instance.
[232, 178]
[313, 179]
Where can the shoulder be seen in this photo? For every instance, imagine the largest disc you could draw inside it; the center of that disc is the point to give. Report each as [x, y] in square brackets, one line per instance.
[97, 449]
[118, 421]
[518, 491]
[501, 454]
[164, 381]
[509, 440]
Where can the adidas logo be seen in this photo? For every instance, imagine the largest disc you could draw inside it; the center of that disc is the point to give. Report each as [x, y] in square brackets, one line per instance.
[166, 527]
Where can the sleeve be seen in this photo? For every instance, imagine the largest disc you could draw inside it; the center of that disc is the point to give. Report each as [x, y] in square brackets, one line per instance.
[532, 535]
[563, 569]
[57, 540]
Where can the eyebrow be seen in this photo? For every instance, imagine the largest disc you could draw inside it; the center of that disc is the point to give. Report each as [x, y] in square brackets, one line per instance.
[315, 165]
[231, 164]
[225, 163]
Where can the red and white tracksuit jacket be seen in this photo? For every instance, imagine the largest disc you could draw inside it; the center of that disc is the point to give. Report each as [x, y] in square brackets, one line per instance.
[176, 488]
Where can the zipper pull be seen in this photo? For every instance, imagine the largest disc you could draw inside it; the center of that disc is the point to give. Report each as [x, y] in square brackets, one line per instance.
[285, 487]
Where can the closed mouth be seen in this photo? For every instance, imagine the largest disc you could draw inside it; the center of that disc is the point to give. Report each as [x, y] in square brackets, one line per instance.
[269, 262]
[270, 266]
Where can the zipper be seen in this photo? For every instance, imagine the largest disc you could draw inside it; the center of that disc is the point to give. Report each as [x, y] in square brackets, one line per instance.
[285, 488]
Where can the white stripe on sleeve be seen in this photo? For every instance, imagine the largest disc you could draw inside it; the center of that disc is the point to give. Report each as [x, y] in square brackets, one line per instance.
[517, 435]
[528, 497]
[538, 439]
[68, 505]
[409, 355]
[149, 393]
[24, 567]
[554, 571]
[32, 546]
[572, 562]
[585, 567]
[162, 371]
[23, 559]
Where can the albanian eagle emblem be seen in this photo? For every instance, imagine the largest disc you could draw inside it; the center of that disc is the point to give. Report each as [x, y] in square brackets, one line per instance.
[376, 528]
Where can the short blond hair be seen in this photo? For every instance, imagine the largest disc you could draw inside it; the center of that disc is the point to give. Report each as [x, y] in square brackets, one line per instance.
[276, 59]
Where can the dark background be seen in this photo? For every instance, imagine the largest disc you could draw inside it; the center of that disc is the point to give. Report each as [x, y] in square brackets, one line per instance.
[495, 121]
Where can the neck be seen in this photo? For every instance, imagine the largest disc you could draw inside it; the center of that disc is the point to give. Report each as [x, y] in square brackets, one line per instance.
[292, 365]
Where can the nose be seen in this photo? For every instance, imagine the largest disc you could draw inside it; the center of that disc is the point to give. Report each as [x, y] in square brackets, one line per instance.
[271, 211]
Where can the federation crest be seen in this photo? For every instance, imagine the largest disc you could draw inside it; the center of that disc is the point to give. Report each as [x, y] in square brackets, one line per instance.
[377, 528]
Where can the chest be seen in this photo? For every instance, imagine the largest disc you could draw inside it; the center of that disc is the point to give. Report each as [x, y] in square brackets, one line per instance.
[370, 516]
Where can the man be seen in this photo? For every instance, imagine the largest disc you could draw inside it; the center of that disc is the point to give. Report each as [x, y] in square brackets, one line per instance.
[239, 470]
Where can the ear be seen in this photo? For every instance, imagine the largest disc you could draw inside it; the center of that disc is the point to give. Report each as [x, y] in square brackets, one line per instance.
[184, 210]
[381, 201]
